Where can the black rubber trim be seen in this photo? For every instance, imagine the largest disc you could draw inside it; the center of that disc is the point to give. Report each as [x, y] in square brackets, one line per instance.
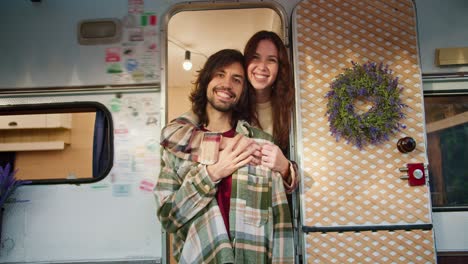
[373, 228]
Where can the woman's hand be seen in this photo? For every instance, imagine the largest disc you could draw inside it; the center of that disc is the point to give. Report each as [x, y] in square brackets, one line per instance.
[273, 158]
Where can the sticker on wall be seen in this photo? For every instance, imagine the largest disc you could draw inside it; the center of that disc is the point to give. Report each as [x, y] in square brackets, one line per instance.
[121, 132]
[113, 54]
[129, 50]
[121, 190]
[135, 6]
[152, 145]
[131, 65]
[148, 19]
[135, 34]
[122, 164]
[138, 75]
[151, 46]
[122, 78]
[147, 185]
[133, 164]
[100, 186]
[151, 37]
[132, 105]
[115, 104]
[114, 68]
[151, 120]
[138, 164]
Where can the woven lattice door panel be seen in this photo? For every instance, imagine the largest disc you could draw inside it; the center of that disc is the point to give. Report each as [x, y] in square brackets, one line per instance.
[371, 247]
[342, 185]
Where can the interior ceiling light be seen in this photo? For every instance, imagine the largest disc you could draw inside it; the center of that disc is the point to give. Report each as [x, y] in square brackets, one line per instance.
[187, 63]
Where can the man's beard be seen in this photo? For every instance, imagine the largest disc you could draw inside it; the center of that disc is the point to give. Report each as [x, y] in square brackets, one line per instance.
[220, 106]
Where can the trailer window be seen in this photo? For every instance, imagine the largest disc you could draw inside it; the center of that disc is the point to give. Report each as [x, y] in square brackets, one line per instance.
[56, 143]
[447, 139]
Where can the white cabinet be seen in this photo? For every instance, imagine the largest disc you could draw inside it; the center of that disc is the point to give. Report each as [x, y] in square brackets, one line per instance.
[35, 132]
[35, 121]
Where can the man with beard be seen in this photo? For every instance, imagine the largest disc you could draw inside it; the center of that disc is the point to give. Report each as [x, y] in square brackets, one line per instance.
[229, 210]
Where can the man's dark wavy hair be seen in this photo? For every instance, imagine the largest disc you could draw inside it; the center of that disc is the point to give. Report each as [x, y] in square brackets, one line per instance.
[198, 96]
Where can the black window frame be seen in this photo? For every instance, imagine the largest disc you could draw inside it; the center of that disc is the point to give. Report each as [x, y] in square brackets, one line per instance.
[69, 107]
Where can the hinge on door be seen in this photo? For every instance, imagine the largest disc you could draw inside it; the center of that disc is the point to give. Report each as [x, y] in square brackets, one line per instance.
[297, 230]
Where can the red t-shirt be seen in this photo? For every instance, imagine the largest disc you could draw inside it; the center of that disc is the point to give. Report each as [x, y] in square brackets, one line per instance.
[223, 196]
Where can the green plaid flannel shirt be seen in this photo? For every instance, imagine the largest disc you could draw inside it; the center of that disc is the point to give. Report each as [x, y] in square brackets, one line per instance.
[260, 222]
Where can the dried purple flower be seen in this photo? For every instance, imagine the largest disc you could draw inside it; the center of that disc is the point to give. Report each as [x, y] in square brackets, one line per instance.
[8, 183]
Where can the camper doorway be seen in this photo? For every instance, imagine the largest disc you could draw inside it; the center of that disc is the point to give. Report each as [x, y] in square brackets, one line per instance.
[200, 32]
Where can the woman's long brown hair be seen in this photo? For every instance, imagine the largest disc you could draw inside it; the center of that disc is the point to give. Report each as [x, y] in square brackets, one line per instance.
[282, 95]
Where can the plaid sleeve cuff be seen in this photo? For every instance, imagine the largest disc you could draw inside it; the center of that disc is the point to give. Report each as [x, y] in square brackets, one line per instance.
[291, 187]
[202, 181]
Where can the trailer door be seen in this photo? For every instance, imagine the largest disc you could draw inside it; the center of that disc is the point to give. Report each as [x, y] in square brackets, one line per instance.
[355, 208]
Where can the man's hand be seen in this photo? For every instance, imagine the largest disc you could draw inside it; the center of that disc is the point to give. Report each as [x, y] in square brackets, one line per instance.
[256, 156]
[235, 153]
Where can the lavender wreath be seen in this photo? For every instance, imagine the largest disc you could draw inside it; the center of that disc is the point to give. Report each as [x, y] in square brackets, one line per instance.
[376, 84]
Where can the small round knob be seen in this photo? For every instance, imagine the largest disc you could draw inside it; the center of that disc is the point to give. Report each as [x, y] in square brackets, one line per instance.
[418, 174]
[406, 144]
